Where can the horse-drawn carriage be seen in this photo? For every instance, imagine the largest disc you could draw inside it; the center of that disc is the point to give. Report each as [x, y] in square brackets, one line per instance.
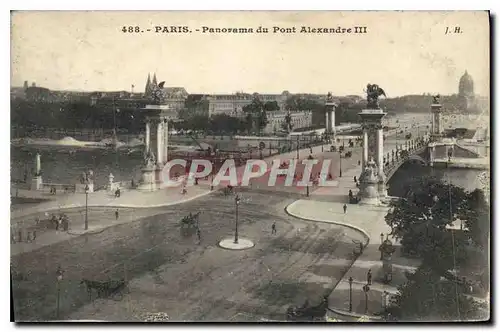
[112, 289]
[189, 224]
[307, 312]
[228, 190]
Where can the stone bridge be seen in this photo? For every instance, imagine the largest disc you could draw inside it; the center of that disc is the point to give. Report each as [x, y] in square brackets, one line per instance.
[417, 152]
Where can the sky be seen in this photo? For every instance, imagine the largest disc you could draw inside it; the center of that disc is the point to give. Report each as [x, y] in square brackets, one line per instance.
[403, 52]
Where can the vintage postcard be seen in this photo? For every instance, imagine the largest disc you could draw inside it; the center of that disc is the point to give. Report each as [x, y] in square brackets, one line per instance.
[250, 166]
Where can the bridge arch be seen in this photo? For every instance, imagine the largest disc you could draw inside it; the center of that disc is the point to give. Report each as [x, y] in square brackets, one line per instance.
[416, 157]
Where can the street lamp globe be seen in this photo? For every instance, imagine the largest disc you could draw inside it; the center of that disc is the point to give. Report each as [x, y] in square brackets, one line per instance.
[86, 188]
[237, 200]
[435, 198]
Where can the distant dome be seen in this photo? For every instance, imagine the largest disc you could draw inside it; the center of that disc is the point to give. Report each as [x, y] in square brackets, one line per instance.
[466, 85]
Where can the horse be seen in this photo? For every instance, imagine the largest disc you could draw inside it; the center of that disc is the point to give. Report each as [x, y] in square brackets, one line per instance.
[90, 284]
[103, 288]
[307, 312]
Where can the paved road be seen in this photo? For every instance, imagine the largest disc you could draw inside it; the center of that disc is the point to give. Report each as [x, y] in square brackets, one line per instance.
[200, 283]
[189, 281]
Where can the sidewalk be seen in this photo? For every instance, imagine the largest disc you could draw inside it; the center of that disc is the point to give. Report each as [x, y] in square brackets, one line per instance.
[100, 217]
[369, 220]
[128, 199]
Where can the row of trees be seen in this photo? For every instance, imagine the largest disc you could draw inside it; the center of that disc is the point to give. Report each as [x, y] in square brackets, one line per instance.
[73, 115]
[421, 222]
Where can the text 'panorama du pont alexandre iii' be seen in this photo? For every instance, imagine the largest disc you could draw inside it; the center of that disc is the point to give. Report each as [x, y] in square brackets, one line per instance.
[165, 29]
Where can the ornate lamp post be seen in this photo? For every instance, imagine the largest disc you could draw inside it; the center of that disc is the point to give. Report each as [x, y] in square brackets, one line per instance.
[387, 249]
[366, 288]
[350, 294]
[298, 144]
[381, 241]
[237, 201]
[59, 278]
[340, 160]
[86, 207]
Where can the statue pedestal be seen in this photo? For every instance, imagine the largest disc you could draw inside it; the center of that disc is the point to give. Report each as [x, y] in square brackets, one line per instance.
[369, 186]
[382, 189]
[36, 183]
[148, 178]
[80, 188]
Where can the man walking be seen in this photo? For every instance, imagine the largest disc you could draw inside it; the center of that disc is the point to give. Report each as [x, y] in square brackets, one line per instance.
[198, 234]
[273, 228]
[369, 277]
[117, 214]
[345, 208]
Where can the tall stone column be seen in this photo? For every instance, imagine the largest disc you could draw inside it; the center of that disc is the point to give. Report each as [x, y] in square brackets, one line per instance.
[330, 107]
[147, 138]
[36, 181]
[38, 165]
[380, 148]
[165, 141]
[372, 178]
[437, 126]
[159, 142]
[332, 122]
[364, 157]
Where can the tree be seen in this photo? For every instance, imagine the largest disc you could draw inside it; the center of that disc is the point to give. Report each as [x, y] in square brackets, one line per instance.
[426, 296]
[421, 218]
[198, 123]
[271, 106]
[248, 122]
[287, 124]
[224, 123]
[262, 120]
[477, 219]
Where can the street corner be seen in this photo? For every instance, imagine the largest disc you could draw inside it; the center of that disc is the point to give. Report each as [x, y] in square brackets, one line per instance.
[357, 303]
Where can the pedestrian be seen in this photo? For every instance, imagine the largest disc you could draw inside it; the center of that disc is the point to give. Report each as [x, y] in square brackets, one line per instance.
[385, 300]
[34, 235]
[355, 179]
[37, 220]
[369, 277]
[198, 233]
[345, 208]
[273, 228]
[20, 236]
[117, 214]
[359, 162]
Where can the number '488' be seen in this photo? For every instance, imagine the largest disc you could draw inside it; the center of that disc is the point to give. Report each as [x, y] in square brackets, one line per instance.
[131, 29]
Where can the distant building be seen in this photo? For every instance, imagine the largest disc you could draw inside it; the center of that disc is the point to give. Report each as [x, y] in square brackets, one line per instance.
[466, 92]
[232, 104]
[276, 120]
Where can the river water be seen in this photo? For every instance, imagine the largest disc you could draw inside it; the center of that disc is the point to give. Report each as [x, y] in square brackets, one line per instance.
[469, 179]
[64, 166]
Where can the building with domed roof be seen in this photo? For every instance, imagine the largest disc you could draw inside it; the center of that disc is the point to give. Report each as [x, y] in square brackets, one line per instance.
[466, 91]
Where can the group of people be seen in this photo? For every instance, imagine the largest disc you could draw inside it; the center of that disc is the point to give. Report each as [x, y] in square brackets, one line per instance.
[30, 236]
